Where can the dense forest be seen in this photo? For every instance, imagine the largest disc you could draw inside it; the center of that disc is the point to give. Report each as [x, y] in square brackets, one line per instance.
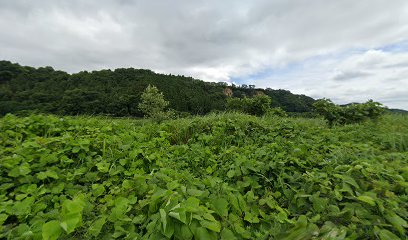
[117, 92]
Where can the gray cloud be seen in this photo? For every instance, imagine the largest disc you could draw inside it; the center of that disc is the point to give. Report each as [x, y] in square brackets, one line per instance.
[211, 40]
[347, 75]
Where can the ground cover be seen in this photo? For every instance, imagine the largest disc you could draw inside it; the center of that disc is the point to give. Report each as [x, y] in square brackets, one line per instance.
[225, 176]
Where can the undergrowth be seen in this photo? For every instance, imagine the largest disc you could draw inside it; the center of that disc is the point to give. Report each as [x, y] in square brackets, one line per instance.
[221, 176]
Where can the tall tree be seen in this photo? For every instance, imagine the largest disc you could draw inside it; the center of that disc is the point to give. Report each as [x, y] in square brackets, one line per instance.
[153, 104]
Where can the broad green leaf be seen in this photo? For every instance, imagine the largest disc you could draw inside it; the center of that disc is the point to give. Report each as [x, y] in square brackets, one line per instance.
[250, 196]
[179, 214]
[127, 184]
[71, 215]
[169, 228]
[242, 203]
[70, 221]
[96, 226]
[192, 204]
[52, 174]
[119, 211]
[220, 206]
[396, 221]
[76, 149]
[183, 232]
[384, 234]
[163, 218]
[250, 217]
[123, 161]
[319, 203]
[51, 230]
[103, 167]
[97, 189]
[347, 179]
[194, 192]
[231, 173]
[201, 233]
[23, 208]
[227, 234]
[367, 199]
[58, 189]
[24, 231]
[233, 200]
[21, 170]
[282, 217]
[212, 225]
[172, 185]
[42, 175]
[3, 218]
[208, 216]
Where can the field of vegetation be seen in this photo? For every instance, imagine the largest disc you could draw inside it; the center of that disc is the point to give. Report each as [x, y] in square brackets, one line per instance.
[224, 176]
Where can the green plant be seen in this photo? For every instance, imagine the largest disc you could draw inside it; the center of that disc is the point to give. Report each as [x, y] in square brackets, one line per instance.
[258, 105]
[277, 111]
[353, 113]
[221, 176]
[153, 105]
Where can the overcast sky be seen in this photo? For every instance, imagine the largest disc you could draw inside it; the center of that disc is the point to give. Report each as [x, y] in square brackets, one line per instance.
[348, 50]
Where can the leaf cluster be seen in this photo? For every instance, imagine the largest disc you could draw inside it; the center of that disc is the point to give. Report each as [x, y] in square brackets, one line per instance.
[352, 113]
[257, 105]
[231, 176]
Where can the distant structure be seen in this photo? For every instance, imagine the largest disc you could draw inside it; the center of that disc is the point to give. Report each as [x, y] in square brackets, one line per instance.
[228, 92]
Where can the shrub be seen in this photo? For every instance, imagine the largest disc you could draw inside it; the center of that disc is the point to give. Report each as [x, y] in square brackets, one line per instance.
[353, 113]
[154, 105]
[258, 105]
[277, 111]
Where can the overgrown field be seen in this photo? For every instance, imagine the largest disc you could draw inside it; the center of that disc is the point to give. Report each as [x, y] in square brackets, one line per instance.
[228, 176]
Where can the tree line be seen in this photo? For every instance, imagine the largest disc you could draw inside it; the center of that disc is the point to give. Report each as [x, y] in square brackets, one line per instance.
[118, 92]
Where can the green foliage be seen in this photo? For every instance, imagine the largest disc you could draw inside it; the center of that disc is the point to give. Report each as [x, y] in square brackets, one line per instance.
[258, 105]
[117, 92]
[277, 111]
[154, 105]
[51, 230]
[352, 113]
[222, 176]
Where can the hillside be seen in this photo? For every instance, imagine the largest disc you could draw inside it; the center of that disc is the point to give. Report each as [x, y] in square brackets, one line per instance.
[225, 176]
[389, 110]
[117, 92]
[394, 110]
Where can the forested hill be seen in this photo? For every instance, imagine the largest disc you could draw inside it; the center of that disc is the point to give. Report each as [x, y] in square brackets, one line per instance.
[118, 92]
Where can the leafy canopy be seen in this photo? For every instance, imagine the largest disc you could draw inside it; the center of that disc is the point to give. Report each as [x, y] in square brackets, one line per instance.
[353, 113]
[153, 104]
[258, 105]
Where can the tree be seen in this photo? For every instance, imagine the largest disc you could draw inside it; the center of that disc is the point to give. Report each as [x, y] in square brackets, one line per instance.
[153, 104]
[327, 109]
[352, 113]
[258, 105]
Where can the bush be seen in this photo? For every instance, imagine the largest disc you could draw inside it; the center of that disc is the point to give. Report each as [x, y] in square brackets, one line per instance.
[353, 113]
[154, 105]
[258, 105]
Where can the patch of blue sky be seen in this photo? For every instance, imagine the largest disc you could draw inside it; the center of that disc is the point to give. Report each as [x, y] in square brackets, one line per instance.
[268, 73]
[299, 67]
[401, 46]
[288, 70]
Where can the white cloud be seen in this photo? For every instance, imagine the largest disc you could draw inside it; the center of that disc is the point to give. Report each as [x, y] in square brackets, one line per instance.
[355, 77]
[219, 40]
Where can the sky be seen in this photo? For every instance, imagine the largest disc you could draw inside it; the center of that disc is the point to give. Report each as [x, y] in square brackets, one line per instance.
[347, 51]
